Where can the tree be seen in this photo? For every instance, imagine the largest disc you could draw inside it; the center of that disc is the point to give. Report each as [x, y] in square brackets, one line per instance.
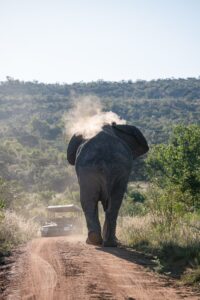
[178, 163]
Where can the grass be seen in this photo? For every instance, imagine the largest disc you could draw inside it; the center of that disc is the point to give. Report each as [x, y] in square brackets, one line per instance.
[14, 230]
[176, 249]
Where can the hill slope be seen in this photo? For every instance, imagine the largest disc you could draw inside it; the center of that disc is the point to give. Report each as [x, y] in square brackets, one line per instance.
[32, 145]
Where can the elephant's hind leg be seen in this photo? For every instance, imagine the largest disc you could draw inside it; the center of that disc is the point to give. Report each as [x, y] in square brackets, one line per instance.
[94, 227]
[89, 197]
[109, 228]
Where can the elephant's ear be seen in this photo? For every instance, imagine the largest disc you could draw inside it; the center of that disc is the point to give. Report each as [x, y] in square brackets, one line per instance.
[133, 137]
[72, 148]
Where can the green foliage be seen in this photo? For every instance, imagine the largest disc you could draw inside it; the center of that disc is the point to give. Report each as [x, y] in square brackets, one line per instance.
[167, 206]
[44, 129]
[136, 196]
[133, 203]
[176, 166]
[9, 192]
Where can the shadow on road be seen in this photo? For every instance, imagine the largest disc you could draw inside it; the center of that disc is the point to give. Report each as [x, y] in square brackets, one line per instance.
[133, 256]
[130, 255]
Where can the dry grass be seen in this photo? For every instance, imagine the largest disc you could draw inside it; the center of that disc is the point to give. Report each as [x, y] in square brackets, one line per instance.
[14, 229]
[133, 230]
[176, 249]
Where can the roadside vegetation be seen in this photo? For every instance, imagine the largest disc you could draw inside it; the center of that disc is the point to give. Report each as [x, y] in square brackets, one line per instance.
[161, 210]
[164, 219]
[15, 230]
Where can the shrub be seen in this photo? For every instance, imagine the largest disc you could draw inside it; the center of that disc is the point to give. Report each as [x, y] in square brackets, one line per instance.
[15, 230]
[133, 203]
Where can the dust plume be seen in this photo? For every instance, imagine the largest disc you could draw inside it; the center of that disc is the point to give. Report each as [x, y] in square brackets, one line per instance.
[87, 117]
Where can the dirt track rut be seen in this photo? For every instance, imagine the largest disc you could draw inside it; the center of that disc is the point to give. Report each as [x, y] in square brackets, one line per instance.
[66, 268]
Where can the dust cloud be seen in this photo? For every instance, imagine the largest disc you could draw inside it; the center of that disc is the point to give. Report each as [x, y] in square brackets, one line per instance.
[87, 117]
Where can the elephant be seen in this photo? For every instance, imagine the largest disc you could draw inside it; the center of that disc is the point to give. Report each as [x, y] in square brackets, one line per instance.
[103, 164]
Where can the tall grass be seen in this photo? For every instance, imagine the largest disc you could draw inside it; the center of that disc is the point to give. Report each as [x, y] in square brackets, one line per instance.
[132, 230]
[15, 230]
[177, 248]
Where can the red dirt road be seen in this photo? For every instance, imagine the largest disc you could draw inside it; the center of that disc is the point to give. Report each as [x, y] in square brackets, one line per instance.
[66, 268]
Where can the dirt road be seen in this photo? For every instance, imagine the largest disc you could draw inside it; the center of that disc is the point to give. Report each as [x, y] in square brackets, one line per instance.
[66, 268]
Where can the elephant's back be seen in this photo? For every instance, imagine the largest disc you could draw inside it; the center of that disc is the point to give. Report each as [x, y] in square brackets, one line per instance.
[104, 149]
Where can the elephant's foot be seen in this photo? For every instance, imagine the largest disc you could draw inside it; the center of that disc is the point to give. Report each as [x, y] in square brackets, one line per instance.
[110, 243]
[94, 238]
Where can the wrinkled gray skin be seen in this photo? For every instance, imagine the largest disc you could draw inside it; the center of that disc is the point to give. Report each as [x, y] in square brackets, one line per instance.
[103, 165]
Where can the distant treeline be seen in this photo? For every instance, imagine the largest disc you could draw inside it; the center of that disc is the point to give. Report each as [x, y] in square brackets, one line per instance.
[155, 89]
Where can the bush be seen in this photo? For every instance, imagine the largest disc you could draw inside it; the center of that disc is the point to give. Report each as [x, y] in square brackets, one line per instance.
[15, 230]
[176, 166]
[167, 205]
[133, 203]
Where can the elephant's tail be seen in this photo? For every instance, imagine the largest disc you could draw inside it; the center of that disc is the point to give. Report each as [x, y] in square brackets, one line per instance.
[105, 197]
[105, 203]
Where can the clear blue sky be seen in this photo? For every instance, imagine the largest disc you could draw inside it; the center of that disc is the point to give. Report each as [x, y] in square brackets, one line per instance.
[82, 40]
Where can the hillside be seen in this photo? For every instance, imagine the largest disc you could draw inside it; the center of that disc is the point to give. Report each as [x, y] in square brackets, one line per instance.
[32, 143]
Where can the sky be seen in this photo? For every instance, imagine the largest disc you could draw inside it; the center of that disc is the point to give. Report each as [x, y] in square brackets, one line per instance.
[69, 41]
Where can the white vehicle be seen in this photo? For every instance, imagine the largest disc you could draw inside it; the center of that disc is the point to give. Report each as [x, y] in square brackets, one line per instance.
[62, 220]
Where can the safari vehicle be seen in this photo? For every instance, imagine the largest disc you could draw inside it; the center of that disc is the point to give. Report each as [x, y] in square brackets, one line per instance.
[61, 220]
